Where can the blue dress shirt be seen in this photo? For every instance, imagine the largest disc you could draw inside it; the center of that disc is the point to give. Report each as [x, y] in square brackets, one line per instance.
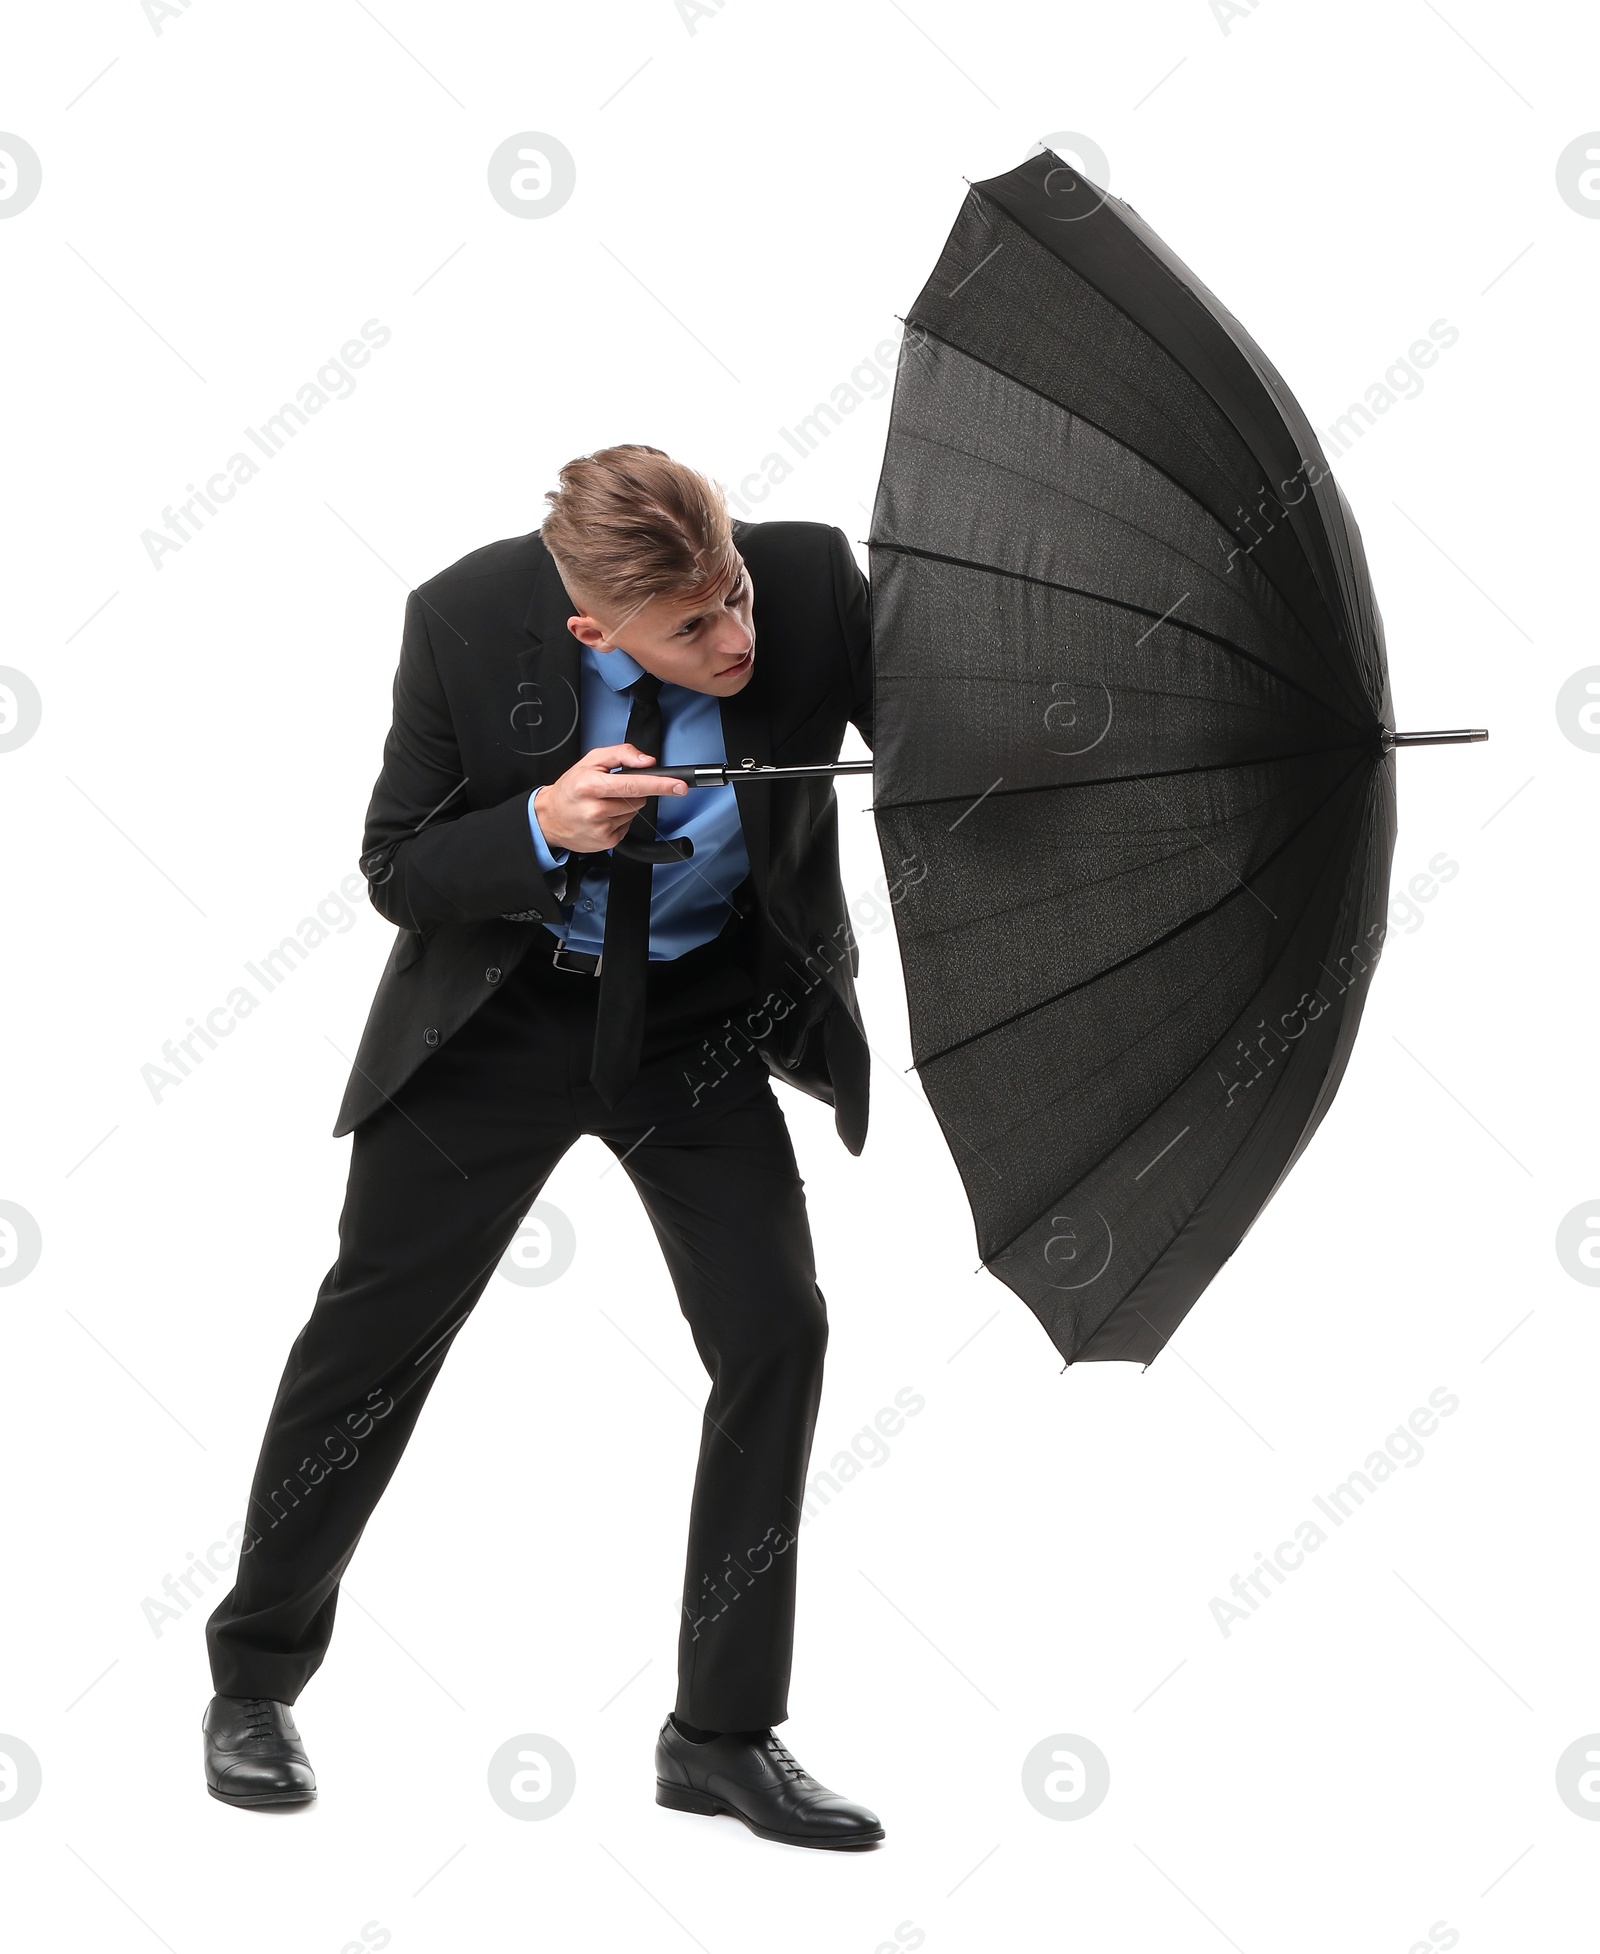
[689, 901]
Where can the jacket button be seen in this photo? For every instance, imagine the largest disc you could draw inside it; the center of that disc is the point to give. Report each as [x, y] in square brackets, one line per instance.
[492, 974]
[430, 1036]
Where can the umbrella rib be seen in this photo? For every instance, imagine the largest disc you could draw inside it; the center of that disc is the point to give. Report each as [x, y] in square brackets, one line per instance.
[1217, 407]
[1122, 520]
[1119, 779]
[1189, 922]
[1099, 881]
[1188, 494]
[1095, 1165]
[1117, 603]
[1123, 1051]
[1170, 694]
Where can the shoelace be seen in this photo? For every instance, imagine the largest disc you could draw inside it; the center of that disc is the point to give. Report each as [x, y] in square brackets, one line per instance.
[259, 1718]
[785, 1758]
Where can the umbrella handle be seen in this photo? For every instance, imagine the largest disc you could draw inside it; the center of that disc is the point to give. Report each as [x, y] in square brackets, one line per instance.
[674, 848]
[723, 773]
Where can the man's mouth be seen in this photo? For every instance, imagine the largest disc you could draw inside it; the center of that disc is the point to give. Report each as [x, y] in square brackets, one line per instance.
[738, 665]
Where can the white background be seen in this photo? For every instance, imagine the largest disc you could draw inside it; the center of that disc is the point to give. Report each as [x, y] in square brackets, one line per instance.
[1372, 1754]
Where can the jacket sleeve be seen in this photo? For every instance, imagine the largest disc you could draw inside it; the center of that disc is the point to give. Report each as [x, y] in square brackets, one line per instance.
[852, 597]
[428, 856]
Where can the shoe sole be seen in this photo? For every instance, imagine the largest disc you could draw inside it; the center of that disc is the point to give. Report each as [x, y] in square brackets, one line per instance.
[261, 1799]
[684, 1798]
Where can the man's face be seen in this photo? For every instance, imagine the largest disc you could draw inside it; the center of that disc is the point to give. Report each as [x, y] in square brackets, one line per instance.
[708, 644]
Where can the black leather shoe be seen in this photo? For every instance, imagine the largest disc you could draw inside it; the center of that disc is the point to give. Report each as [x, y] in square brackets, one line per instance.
[254, 1755]
[754, 1777]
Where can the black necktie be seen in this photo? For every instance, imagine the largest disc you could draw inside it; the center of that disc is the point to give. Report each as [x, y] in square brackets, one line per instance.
[619, 1013]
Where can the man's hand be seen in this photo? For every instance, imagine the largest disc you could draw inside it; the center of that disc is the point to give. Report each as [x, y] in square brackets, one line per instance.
[589, 808]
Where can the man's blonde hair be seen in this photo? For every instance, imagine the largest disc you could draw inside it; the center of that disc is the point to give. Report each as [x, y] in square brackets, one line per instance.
[629, 523]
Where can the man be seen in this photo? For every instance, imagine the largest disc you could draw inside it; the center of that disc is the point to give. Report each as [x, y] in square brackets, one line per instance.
[588, 950]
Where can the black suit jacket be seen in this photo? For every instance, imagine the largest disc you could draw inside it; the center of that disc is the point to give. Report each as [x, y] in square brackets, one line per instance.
[486, 709]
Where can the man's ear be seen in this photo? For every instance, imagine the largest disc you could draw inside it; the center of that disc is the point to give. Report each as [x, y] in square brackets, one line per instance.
[587, 630]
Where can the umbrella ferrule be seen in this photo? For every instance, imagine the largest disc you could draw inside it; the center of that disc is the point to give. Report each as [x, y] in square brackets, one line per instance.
[1455, 736]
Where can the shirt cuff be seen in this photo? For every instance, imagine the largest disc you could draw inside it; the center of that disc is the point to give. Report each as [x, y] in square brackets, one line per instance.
[549, 858]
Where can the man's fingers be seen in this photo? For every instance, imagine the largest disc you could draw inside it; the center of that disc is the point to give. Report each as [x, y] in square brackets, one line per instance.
[634, 786]
[600, 782]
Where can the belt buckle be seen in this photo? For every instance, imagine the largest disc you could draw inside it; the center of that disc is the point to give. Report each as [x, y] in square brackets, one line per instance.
[561, 951]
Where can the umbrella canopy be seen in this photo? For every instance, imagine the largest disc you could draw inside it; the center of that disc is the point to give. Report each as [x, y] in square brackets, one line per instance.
[1131, 769]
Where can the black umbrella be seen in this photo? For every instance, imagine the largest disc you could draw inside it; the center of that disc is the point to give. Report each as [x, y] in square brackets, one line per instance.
[1133, 752]
[1134, 727]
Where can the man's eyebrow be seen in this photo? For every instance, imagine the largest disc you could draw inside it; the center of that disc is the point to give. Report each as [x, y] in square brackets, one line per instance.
[694, 617]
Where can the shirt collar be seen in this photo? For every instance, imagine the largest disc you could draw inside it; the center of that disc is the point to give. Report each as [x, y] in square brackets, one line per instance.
[616, 667]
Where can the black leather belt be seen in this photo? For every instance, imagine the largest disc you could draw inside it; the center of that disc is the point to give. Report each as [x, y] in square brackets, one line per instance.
[589, 966]
[578, 960]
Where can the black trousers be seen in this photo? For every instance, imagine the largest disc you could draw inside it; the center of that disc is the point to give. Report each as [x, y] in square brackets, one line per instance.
[440, 1179]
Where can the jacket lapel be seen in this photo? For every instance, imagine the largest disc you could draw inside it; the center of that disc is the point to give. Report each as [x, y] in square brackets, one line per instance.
[544, 712]
[747, 735]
